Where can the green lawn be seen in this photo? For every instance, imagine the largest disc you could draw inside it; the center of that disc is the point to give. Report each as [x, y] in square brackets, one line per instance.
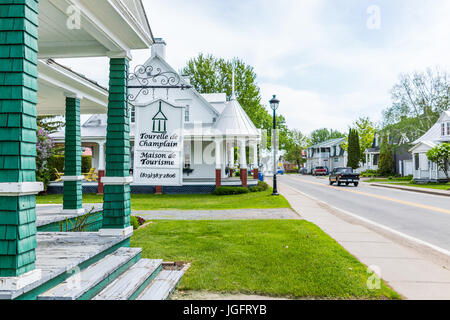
[290, 258]
[439, 186]
[255, 200]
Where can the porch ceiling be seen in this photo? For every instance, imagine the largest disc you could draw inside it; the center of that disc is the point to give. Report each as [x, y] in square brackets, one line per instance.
[55, 81]
[106, 27]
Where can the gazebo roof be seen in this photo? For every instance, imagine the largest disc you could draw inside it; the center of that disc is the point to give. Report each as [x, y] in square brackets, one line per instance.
[235, 122]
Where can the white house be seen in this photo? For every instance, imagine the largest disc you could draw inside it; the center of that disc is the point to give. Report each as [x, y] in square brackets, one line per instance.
[328, 154]
[425, 170]
[213, 127]
[402, 159]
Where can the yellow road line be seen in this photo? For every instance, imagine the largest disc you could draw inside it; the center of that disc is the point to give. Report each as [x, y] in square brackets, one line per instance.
[408, 203]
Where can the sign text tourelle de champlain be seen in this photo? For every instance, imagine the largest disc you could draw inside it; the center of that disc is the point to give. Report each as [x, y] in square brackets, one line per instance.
[158, 141]
[158, 145]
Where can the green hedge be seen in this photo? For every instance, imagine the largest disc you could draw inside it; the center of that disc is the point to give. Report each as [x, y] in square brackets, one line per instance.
[225, 190]
[262, 186]
[86, 163]
[57, 162]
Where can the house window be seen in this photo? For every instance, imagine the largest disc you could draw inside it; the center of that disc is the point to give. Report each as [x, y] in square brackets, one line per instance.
[214, 120]
[375, 159]
[442, 129]
[448, 128]
[416, 161]
[186, 114]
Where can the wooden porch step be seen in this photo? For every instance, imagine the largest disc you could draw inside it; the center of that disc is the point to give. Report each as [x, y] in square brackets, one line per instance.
[163, 285]
[87, 283]
[132, 281]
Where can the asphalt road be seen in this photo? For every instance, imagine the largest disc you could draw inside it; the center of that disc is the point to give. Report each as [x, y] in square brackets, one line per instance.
[422, 216]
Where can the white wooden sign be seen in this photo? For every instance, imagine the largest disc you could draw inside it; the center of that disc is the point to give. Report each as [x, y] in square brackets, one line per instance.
[158, 144]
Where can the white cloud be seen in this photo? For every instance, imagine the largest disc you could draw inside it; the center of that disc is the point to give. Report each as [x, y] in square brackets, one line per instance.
[317, 56]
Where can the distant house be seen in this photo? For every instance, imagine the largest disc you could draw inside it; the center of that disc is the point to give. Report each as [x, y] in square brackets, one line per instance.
[328, 154]
[373, 154]
[402, 158]
[425, 170]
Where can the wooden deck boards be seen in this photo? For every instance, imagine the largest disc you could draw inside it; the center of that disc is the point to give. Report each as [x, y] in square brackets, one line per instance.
[51, 213]
[57, 253]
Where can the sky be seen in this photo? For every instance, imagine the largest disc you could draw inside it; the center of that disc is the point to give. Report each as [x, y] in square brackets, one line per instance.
[329, 62]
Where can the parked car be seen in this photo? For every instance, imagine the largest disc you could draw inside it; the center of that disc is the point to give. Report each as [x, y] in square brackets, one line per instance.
[343, 175]
[303, 171]
[319, 171]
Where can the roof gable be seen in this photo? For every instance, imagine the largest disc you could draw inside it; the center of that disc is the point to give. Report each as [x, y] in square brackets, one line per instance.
[434, 133]
[329, 143]
[165, 67]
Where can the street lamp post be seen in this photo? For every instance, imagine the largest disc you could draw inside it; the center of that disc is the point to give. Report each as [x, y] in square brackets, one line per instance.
[274, 103]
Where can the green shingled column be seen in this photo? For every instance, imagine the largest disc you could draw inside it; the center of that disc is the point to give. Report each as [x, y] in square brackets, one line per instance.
[116, 207]
[18, 98]
[72, 158]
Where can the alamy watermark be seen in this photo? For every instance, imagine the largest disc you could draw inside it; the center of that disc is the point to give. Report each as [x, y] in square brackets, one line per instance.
[74, 280]
[74, 18]
[374, 17]
[374, 280]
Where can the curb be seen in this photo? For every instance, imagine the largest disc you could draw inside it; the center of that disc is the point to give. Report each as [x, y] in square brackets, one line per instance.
[405, 188]
[436, 254]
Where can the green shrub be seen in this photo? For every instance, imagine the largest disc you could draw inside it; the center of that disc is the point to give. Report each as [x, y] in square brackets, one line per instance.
[237, 173]
[86, 163]
[134, 222]
[226, 190]
[368, 173]
[255, 189]
[57, 161]
[263, 185]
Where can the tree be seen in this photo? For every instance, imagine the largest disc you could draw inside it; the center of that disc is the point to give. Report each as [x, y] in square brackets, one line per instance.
[209, 74]
[441, 156]
[386, 163]
[366, 133]
[354, 151]
[50, 124]
[324, 134]
[418, 100]
[295, 145]
[44, 150]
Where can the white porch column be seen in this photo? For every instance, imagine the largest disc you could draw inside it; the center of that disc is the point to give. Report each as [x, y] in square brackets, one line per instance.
[218, 142]
[243, 162]
[101, 156]
[254, 155]
[242, 154]
[367, 161]
[231, 154]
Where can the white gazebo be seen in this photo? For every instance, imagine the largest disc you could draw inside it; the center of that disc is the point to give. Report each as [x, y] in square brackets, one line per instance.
[213, 127]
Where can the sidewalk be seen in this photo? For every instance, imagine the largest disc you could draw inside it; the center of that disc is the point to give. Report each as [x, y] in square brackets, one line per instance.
[234, 214]
[410, 273]
[413, 189]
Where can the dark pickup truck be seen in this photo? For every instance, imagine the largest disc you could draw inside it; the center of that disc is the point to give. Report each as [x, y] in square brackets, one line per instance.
[344, 175]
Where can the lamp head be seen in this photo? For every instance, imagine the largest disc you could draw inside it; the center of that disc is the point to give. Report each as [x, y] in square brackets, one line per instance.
[274, 103]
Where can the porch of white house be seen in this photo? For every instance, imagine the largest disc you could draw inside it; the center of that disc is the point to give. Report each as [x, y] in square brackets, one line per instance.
[68, 265]
[426, 171]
